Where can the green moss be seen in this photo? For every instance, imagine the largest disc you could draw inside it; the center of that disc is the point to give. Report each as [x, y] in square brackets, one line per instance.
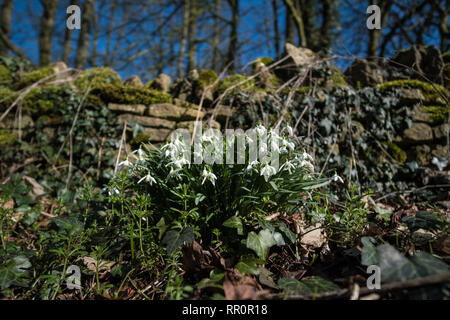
[396, 152]
[130, 95]
[140, 138]
[337, 78]
[7, 96]
[47, 99]
[233, 80]
[98, 77]
[431, 93]
[207, 77]
[438, 114]
[446, 57]
[303, 90]
[34, 76]
[5, 75]
[7, 137]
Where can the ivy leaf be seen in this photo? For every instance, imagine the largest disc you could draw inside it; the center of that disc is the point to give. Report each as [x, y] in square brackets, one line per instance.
[14, 272]
[260, 243]
[369, 252]
[307, 286]
[173, 239]
[234, 222]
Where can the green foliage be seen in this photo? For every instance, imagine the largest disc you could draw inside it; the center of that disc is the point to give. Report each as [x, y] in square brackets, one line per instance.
[97, 77]
[34, 76]
[130, 95]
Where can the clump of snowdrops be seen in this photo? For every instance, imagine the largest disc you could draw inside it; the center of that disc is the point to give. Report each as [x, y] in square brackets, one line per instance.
[191, 194]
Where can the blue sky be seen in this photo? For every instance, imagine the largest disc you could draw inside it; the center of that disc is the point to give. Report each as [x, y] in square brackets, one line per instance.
[256, 20]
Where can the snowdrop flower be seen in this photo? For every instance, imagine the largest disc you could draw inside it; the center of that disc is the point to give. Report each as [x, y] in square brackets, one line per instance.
[274, 146]
[252, 165]
[288, 165]
[111, 191]
[140, 154]
[126, 164]
[268, 171]
[289, 130]
[308, 164]
[263, 147]
[307, 156]
[207, 175]
[148, 178]
[337, 178]
[180, 162]
[260, 130]
[286, 144]
[207, 138]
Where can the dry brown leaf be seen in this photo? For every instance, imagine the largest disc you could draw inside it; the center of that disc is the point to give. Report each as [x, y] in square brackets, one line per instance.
[38, 190]
[314, 236]
[103, 267]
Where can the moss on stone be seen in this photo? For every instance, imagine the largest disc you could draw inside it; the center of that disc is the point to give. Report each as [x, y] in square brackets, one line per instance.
[98, 77]
[5, 75]
[446, 57]
[302, 90]
[337, 78]
[431, 93]
[120, 94]
[438, 114]
[34, 76]
[207, 77]
[396, 152]
[140, 138]
[7, 137]
[7, 96]
[233, 80]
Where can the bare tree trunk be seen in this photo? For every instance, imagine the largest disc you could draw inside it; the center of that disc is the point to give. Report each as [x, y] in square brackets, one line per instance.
[83, 40]
[327, 23]
[192, 30]
[216, 36]
[297, 15]
[183, 37]
[96, 30]
[232, 49]
[290, 32]
[67, 46]
[375, 34]
[110, 27]
[276, 30]
[46, 31]
[5, 16]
